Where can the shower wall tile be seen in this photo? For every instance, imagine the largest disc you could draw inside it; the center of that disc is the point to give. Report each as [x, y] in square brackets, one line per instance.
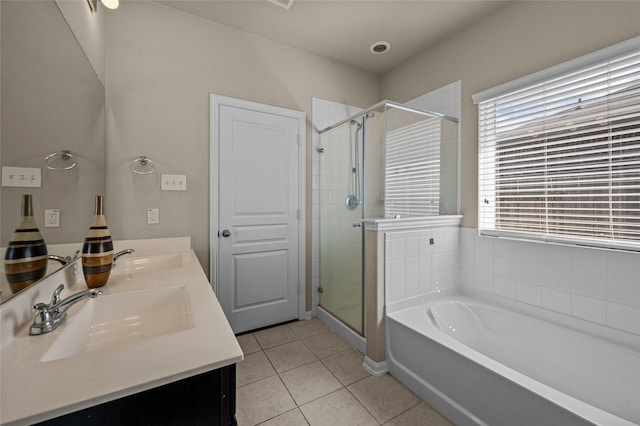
[624, 264]
[589, 283]
[397, 270]
[503, 267]
[484, 281]
[529, 293]
[528, 272]
[484, 263]
[505, 287]
[622, 289]
[558, 277]
[556, 255]
[623, 317]
[589, 308]
[412, 266]
[397, 249]
[527, 252]
[484, 244]
[504, 248]
[588, 259]
[415, 267]
[601, 286]
[556, 300]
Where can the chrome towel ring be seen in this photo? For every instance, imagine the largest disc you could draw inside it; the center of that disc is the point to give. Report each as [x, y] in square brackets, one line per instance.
[64, 155]
[141, 163]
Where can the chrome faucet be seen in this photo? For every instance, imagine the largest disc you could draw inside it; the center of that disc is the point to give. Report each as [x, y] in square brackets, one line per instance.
[121, 253]
[50, 316]
[65, 260]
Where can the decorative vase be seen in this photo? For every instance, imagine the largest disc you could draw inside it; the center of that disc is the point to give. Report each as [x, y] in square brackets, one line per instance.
[97, 250]
[25, 260]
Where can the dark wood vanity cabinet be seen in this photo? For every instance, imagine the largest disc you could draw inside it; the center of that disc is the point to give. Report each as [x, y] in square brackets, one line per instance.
[205, 399]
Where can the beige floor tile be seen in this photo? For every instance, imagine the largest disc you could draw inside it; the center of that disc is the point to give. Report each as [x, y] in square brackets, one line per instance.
[308, 328]
[346, 366]
[337, 408]
[326, 344]
[248, 343]
[309, 382]
[290, 418]
[421, 414]
[261, 401]
[383, 396]
[255, 367]
[289, 356]
[275, 336]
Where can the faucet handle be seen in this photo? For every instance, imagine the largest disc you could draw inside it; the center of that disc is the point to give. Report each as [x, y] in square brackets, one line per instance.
[40, 307]
[56, 295]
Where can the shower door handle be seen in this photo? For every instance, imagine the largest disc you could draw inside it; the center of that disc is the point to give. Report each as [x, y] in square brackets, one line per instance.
[226, 233]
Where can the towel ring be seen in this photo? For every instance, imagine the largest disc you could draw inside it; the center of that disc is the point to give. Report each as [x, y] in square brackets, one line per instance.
[143, 161]
[65, 155]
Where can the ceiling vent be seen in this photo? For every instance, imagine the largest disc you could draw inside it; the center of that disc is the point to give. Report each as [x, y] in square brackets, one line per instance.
[282, 3]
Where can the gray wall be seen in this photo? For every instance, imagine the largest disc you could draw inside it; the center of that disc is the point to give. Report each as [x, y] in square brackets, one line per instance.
[161, 66]
[518, 39]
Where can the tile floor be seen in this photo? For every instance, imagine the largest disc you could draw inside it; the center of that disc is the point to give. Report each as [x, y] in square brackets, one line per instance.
[302, 373]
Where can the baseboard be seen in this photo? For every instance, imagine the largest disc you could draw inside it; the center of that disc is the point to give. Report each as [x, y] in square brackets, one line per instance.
[375, 368]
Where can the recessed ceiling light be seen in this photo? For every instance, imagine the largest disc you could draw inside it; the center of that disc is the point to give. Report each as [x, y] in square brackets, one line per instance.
[380, 47]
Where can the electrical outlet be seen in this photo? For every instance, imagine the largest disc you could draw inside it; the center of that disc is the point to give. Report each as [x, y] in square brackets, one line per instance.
[174, 183]
[52, 218]
[22, 177]
[153, 216]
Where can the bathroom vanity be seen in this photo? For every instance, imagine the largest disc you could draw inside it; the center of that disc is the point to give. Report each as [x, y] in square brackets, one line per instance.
[154, 348]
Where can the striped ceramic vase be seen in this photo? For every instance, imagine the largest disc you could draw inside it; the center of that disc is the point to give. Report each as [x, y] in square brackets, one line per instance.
[97, 250]
[25, 260]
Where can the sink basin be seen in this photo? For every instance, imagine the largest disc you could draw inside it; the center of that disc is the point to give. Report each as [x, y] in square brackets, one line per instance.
[133, 265]
[113, 320]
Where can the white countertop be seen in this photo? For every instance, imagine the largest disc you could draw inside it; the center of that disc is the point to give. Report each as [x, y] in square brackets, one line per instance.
[32, 390]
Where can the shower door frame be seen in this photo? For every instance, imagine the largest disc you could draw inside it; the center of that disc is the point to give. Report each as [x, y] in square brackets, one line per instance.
[356, 223]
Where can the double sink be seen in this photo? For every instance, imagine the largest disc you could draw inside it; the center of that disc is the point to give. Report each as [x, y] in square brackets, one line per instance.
[156, 321]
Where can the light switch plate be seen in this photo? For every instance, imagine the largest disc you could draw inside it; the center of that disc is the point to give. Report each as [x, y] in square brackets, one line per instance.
[174, 183]
[153, 216]
[22, 177]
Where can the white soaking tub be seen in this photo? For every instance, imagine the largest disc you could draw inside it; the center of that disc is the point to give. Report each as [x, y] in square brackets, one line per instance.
[481, 364]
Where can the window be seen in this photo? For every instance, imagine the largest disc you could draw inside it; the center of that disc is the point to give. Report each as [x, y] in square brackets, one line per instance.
[559, 159]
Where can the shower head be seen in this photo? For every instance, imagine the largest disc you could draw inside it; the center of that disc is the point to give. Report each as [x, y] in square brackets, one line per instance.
[356, 123]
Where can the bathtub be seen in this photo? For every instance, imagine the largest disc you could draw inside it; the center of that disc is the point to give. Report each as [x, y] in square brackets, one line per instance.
[488, 365]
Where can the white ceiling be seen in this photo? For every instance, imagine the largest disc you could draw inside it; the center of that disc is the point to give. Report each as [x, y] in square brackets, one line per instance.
[343, 30]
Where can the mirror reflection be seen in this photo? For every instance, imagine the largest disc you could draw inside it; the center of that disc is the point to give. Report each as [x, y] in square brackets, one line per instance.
[52, 103]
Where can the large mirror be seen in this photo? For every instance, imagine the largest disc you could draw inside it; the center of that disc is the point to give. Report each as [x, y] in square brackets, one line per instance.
[51, 101]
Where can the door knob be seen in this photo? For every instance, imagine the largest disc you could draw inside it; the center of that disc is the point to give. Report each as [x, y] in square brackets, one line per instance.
[226, 233]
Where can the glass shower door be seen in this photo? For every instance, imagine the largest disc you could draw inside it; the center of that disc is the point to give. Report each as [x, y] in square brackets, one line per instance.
[340, 183]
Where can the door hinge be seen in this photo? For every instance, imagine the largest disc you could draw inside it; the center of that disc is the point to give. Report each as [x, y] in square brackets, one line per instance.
[299, 214]
[299, 288]
[299, 141]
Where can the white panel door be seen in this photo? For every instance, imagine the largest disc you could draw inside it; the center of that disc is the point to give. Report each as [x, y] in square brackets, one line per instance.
[258, 217]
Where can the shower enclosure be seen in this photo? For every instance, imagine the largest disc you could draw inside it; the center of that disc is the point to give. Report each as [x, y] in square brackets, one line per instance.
[389, 161]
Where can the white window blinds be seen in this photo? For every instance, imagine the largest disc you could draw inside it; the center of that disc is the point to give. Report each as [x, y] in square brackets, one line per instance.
[560, 159]
[412, 170]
